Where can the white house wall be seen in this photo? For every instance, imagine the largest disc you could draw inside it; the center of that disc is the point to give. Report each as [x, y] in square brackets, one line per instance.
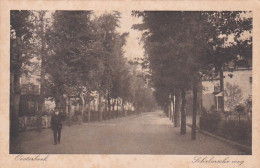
[240, 78]
[208, 86]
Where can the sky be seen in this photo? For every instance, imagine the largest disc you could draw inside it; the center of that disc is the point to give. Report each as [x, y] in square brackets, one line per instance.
[133, 48]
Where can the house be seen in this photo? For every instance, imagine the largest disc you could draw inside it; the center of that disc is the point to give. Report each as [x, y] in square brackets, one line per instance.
[30, 94]
[29, 103]
[242, 77]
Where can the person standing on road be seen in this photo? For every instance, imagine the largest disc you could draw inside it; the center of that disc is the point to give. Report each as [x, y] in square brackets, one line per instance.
[56, 125]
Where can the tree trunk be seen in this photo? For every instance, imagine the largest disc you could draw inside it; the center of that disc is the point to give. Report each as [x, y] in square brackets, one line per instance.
[109, 105]
[66, 106]
[82, 108]
[113, 104]
[173, 107]
[194, 113]
[221, 76]
[169, 110]
[89, 112]
[14, 104]
[39, 118]
[123, 108]
[112, 108]
[170, 106]
[199, 96]
[41, 99]
[239, 119]
[14, 116]
[177, 109]
[84, 118]
[42, 89]
[106, 110]
[183, 111]
[119, 114]
[117, 109]
[15, 92]
[166, 110]
[99, 107]
[69, 111]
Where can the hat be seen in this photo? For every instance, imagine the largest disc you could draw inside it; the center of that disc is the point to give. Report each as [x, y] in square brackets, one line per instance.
[56, 108]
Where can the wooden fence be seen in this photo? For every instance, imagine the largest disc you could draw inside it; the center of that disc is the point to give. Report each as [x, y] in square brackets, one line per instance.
[30, 122]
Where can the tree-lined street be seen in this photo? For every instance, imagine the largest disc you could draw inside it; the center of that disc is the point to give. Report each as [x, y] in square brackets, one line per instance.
[146, 133]
[77, 64]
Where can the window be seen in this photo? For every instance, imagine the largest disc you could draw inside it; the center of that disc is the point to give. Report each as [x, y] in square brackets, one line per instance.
[250, 79]
[32, 106]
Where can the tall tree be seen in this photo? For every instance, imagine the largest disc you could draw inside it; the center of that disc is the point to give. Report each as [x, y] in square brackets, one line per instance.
[76, 51]
[41, 24]
[114, 62]
[20, 55]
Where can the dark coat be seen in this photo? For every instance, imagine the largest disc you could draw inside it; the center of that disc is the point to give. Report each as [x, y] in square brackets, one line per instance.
[56, 121]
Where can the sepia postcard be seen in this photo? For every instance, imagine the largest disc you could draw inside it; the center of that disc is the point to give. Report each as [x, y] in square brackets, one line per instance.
[118, 84]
